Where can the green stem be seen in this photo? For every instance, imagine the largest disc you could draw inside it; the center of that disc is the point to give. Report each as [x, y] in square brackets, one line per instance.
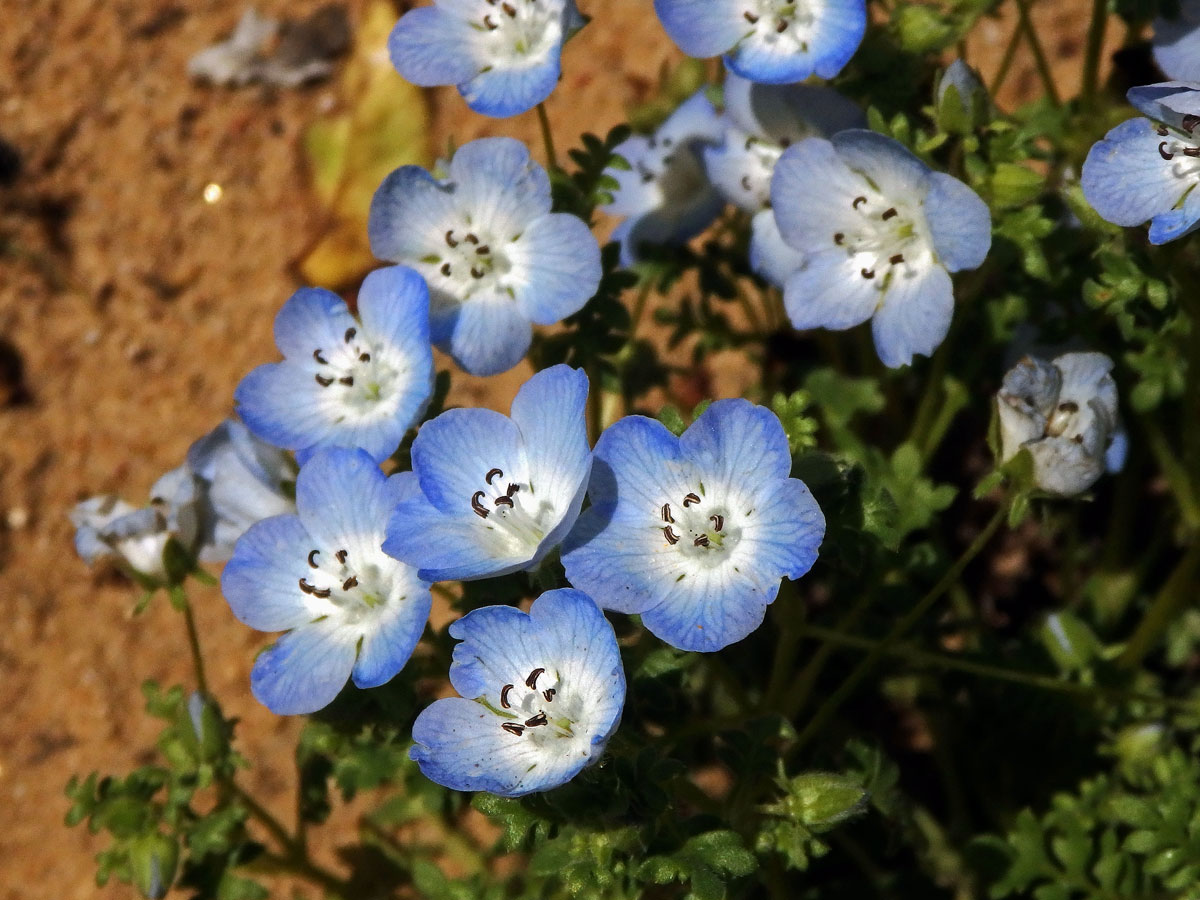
[194, 643]
[547, 136]
[274, 862]
[1179, 590]
[263, 816]
[831, 705]
[1095, 44]
[1176, 474]
[1039, 55]
[787, 647]
[1006, 61]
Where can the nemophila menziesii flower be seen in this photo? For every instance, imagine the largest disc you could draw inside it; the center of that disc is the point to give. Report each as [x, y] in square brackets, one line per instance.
[665, 196]
[495, 257]
[761, 120]
[880, 232]
[345, 382]
[694, 533]
[1177, 43]
[1064, 412]
[503, 55]
[493, 494]
[773, 41]
[349, 610]
[1148, 169]
[541, 693]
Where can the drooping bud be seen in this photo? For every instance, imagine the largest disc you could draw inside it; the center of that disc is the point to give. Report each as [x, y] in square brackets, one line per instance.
[960, 99]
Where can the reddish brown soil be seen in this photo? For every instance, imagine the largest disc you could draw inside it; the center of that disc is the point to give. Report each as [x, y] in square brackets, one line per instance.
[135, 307]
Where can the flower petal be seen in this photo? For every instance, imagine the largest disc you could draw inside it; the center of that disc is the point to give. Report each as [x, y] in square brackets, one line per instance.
[489, 335]
[312, 318]
[261, 581]
[500, 182]
[812, 191]
[829, 291]
[1175, 224]
[305, 669]
[389, 637]
[959, 222]
[915, 314]
[409, 216]
[770, 255]
[452, 453]
[279, 402]
[560, 260]
[344, 500]
[837, 34]
[1125, 179]
[734, 441]
[1177, 43]
[701, 27]
[429, 46]
[889, 164]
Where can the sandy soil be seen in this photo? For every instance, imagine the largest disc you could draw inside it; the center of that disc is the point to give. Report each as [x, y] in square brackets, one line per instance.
[132, 307]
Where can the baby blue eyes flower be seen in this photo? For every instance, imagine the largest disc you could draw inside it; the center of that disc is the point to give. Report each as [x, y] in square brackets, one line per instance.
[773, 41]
[540, 695]
[505, 57]
[1148, 170]
[345, 382]
[694, 533]
[349, 610]
[495, 257]
[1177, 43]
[665, 196]
[493, 495]
[1065, 414]
[880, 232]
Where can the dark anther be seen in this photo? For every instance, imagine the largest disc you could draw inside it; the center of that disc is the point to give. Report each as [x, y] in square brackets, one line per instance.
[868, 273]
[535, 721]
[306, 587]
[549, 693]
[484, 250]
[364, 357]
[1068, 407]
[749, 142]
[889, 213]
[491, 26]
[312, 557]
[504, 501]
[350, 333]
[666, 513]
[1078, 439]
[350, 582]
[323, 381]
[671, 537]
[493, 473]
[1190, 122]
[341, 557]
[718, 522]
[782, 26]
[689, 500]
[531, 681]
[348, 381]
[858, 201]
[513, 728]
[750, 17]
[480, 509]
[316, 592]
[1162, 130]
[446, 269]
[1191, 151]
[667, 142]
[838, 238]
[701, 541]
[450, 238]
[512, 489]
[896, 259]
[1163, 152]
[504, 696]
[647, 177]
[472, 239]
[509, 9]
[477, 273]
[319, 358]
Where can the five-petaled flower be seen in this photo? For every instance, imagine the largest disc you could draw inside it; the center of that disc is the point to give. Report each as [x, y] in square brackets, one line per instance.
[1148, 169]
[880, 232]
[504, 55]
[694, 533]
[773, 41]
[348, 609]
[665, 195]
[495, 257]
[493, 495]
[541, 693]
[345, 382]
[1065, 414]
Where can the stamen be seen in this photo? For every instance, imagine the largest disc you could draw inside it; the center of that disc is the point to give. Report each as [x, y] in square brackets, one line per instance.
[1191, 151]
[319, 358]
[1068, 407]
[348, 381]
[896, 259]
[350, 333]
[746, 183]
[782, 26]
[838, 238]
[350, 582]
[316, 592]
[491, 26]
[689, 500]
[1190, 122]
[445, 270]
[512, 489]
[480, 509]
[493, 473]
[671, 537]
[341, 557]
[312, 558]
[889, 213]
[868, 273]
[701, 541]
[513, 728]
[450, 239]
[751, 17]
[531, 681]
[477, 273]
[503, 501]
[666, 513]
[1162, 131]
[508, 8]
[549, 693]
[535, 721]
[472, 239]
[364, 357]
[858, 201]
[323, 381]
[718, 522]
[1162, 151]
[504, 695]
[483, 251]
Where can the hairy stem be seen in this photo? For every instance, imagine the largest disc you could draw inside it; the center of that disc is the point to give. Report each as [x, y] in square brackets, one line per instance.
[547, 136]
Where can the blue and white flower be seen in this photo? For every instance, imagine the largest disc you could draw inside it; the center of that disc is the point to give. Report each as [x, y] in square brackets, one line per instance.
[694, 533]
[504, 57]
[540, 695]
[491, 494]
[349, 610]
[880, 232]
[1176, 43]
[1148, 169]
[773, 41]
[665, 196]
[1065, 413]
[761, 121]
[345, 382]
[495, 257]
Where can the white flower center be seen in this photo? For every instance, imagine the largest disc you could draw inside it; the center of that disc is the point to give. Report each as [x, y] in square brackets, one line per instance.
[361, 381]
[473, 261]
[1181, 150]
[540, 708]
[352, 588]
[700, 530]
[515, 518]
[784, 25]
[521, 30]
[884, 236]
